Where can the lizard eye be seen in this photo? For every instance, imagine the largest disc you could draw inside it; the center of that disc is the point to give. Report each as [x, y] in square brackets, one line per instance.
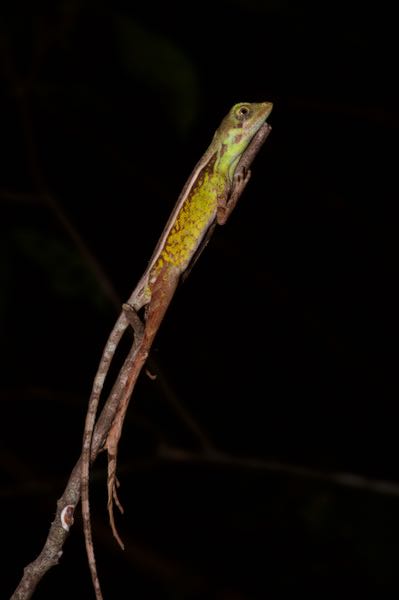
[243, 112]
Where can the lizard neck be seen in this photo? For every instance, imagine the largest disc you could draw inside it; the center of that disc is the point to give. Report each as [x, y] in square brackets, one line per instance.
[230, 152]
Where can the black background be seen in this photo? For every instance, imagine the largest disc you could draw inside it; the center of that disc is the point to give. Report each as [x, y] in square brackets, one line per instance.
[281, 345]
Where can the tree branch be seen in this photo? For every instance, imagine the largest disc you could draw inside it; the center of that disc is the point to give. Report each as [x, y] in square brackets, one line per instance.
[52, 549]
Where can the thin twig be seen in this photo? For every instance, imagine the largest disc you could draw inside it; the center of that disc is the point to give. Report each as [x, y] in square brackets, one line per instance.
[223, 459]
[20, 197]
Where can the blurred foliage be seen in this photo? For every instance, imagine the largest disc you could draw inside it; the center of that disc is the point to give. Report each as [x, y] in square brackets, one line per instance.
[60, 263]
[156, 61]
[150, 58]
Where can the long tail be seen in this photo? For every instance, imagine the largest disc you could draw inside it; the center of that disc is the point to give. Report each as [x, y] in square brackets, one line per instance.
[98, 384]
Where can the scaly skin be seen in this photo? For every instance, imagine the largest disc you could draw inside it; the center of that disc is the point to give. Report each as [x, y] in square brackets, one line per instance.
[208, 197]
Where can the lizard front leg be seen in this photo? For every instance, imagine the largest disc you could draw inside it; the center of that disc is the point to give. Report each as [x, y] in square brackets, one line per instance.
[227, 203]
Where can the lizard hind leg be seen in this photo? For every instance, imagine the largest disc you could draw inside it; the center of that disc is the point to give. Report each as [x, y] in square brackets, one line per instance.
[134, 320]
[123, 389]
[112, 485]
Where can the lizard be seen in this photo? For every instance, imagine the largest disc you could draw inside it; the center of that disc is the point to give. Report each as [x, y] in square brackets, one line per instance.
[207, 199]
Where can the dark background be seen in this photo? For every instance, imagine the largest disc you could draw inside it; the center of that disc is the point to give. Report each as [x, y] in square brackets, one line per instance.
[279, 350]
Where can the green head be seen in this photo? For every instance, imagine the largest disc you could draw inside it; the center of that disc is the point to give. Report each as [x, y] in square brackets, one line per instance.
[237, 130]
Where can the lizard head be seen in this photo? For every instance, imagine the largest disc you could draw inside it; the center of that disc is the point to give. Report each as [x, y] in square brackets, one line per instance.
[237, 130]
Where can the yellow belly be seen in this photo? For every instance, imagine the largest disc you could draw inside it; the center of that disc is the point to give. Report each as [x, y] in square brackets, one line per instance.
[192, 222]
